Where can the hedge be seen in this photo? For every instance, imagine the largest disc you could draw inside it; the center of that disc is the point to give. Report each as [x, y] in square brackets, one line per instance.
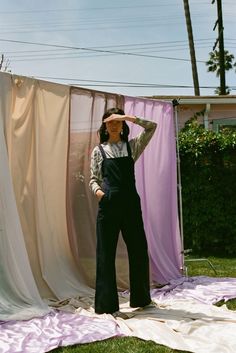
[208, 178]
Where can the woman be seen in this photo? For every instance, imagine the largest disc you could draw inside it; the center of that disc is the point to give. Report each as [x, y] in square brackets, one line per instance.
[113, 183]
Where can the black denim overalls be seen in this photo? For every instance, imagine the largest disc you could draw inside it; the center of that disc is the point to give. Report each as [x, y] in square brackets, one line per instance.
[120, 210]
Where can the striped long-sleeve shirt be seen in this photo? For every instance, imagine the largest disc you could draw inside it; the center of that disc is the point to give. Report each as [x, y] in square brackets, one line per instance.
[114, 150]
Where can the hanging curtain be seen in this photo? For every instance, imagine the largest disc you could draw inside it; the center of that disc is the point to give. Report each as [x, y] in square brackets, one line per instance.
[56, 208]
[19, 296]
[87, 109]
[159, 188]
[37, 141]
[157, 185]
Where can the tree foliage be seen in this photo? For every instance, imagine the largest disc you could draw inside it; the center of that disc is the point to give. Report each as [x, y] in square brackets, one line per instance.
[4, 64]
[213, 65]
[214, 62]
[208, 170]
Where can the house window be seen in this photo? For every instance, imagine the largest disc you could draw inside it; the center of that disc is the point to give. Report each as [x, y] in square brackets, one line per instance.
[219, 124]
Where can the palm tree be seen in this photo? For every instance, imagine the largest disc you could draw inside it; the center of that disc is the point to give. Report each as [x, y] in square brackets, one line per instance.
[214, 62]
[213, 65]
[218, 90]
[191, 48]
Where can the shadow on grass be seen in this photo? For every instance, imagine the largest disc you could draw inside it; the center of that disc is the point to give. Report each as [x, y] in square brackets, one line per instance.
[118, 345]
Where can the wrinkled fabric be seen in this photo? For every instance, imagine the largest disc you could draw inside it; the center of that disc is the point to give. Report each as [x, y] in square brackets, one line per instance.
[37, 142]
[183, 319]
[19, 296]
[157, 186]
[56, 329]
[208, 290]
[156, 183]
[186, 325]
[87, 109]
[36, 260]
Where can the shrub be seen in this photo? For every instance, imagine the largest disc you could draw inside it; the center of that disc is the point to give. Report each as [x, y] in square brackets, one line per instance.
[208, 175]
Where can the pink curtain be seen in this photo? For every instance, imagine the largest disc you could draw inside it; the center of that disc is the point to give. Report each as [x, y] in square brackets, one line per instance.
[156, 179]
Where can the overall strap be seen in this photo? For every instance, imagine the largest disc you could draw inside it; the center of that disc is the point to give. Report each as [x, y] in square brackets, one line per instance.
[102, 151]
[129, 149]
[104, 155]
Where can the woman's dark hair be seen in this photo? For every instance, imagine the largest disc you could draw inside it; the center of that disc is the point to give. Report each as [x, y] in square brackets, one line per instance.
[103, 134]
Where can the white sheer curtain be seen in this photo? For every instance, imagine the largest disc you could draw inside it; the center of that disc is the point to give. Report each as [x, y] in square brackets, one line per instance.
[87, 109]
[19, 296]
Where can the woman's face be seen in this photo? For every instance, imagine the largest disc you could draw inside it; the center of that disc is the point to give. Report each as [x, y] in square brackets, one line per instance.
[114, 127]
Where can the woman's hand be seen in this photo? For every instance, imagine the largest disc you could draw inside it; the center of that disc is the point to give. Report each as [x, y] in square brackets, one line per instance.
[119, 117]
[100, 194]
[116, 117]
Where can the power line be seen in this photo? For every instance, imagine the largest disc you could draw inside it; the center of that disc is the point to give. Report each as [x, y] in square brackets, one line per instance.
[164, 44]
[54, 54]
[85, 21]
[97, 20]
[58, 54]
[104, 27]
[98, 50]
[86, 9]
[106, 83]
[84, 55]
[94, 25]
[63, 10]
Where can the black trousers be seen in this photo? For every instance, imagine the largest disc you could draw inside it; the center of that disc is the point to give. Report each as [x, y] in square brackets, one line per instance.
[125, 216]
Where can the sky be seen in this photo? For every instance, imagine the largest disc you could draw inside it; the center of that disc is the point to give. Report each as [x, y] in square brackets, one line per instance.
[130, 47]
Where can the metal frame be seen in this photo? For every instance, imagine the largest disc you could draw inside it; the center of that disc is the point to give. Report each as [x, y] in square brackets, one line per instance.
[184, 252]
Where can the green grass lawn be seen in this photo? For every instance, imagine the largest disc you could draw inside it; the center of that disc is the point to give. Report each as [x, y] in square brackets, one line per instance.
[224, 268]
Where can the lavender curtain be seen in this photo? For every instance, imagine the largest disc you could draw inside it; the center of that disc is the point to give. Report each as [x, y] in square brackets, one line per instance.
[156, 179]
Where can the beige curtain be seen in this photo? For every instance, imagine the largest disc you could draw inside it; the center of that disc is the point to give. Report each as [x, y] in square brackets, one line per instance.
[19, 296]
[87, 109]
[37, 141]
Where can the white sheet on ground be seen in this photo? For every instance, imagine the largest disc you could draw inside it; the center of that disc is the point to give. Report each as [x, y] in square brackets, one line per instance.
[180, 321]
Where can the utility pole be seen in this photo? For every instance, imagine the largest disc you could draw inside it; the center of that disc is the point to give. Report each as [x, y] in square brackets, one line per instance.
[1, 62]
[191, 48]
[220, 40]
